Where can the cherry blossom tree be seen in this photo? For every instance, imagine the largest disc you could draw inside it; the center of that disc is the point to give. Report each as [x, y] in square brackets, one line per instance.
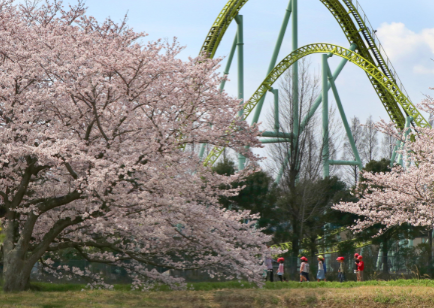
[404, 195]
[95, 131]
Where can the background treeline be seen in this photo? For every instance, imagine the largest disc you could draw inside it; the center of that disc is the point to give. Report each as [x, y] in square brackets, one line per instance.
[304, 219]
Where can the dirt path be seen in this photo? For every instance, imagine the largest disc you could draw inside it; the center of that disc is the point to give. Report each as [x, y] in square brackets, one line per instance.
[361, 297]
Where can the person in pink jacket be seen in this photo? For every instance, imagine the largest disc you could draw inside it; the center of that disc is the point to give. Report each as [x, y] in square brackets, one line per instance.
[281, 269]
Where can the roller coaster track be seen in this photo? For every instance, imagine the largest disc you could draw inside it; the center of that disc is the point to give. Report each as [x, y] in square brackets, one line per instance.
[369, 56]
[371, 70]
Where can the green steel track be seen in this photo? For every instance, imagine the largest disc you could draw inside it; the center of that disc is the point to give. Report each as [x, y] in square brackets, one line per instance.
[221, 24]
[368, 56]
[351, 31]
[371, 70]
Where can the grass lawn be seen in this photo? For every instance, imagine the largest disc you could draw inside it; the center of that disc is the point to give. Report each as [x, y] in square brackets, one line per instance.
[373, 294]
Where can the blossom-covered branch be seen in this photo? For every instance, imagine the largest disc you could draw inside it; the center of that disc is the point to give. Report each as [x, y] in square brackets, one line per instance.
[93, 123]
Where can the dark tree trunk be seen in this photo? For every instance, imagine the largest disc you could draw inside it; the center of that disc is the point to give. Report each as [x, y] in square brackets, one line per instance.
[430, 265]
[296, 225]
[385, 256]
[294, 258]
[314, 264]
[16, 273]
[430, 246]
[16, 268]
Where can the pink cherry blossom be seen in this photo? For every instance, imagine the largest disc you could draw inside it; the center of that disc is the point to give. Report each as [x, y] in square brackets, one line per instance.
[96, 137]
[404, 195]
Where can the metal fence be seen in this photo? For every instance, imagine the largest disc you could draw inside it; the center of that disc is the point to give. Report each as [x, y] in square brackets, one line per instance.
[404, 263]
[110, 273]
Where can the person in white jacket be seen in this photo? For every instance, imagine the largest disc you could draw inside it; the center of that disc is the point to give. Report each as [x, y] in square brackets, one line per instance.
[304, 270]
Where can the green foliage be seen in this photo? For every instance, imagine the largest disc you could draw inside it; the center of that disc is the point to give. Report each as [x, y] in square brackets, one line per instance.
[394, 239]
[376, 166]
[225, 167]
[318, 197]
[281, 209]
[346, 248]
[208, 286]
[257, 195]
[2, 236]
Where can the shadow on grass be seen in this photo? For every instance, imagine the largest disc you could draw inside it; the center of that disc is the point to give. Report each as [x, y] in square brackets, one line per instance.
[235, 285]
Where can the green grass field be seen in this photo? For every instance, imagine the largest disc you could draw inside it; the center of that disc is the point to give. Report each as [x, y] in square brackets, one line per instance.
[398, 293]
[235, 285]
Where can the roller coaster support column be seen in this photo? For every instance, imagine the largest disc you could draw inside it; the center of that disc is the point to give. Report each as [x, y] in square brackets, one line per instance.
[295, 120]
[273, 61]
[392, 159]
[229, 63]
[319, 99]
[400, 144]
[345, 121]
[276, 110]
[315, 107]
[295, 128]
[222, 85]
[240, 49]
[407, 130]
[325, 117]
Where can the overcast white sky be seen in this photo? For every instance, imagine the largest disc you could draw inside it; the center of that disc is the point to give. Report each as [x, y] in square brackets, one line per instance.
[405, 29]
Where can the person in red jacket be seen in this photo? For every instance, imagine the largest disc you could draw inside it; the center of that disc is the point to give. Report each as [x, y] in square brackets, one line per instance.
[360, 268]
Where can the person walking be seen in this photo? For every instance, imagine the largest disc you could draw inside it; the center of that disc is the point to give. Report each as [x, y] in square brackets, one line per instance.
[269, 264]
[321, 269]
[356, 263]
[341, 269]
[281, 269]
[304, 269]
[360, 268]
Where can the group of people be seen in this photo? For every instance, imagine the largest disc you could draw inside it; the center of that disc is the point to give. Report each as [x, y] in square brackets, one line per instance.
[358, 270]
[322, 270]
[280, 271]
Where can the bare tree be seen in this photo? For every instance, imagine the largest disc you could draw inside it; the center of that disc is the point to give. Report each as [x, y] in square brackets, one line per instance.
[305, 161]
[387, 146]
[351, 173]
[370, 141]
[298, 157]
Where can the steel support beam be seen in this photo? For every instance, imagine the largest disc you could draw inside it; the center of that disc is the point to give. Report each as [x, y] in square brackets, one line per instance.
[276, 110]
[278, 140]
[395, 149]
[295, 102]
[229, 62]
[295, 119]
[319, 99]
[407, 131]
[344, 120]
[315, 106]
[240, 49]
[325, 116]
[344, 162]
[273, 60]
[277, 135]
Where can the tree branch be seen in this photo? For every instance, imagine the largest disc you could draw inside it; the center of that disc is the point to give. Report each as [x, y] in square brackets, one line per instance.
[71, 171]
